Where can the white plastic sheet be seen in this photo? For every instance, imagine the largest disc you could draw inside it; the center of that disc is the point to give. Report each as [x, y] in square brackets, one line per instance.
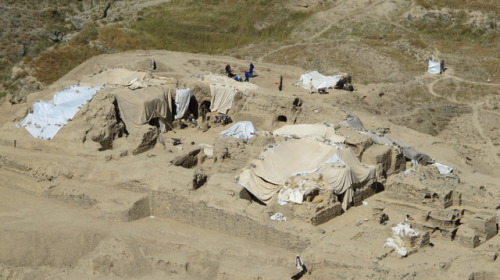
[278, 217]
[242, 130]
[434, 67]
[49, 117]
[291, 195]
[182, 98]
[397, 244]
[400, 230]
[403, 229]
[314, 81]
[443, 169]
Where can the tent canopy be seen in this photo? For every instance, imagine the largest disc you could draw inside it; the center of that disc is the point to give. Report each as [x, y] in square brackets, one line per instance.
[314, 81]
[138, 107]
[435, 67]
[338, 166]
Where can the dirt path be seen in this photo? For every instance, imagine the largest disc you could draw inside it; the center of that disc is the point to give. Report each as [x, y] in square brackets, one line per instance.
[330, 15]
[477, 124]
[431, 85]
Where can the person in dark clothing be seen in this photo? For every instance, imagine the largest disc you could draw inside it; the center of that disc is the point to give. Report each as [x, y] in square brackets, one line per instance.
[247, 76]
[251, 70]
[229, 71]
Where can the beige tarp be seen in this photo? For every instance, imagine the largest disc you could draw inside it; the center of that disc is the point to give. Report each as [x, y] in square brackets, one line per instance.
[125, 77]
[138, 107]
[223, 90]
[310, 130]
[222, 97]
[116, 76]
[341, 177]
[291, 158]
[243, 87]
[339, 168]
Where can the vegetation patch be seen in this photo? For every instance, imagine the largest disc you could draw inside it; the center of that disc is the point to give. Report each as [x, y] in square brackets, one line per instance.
[478, 5]
[55, 63]
[464, 91]
[433, 119]
[453, 26]
[215, 26]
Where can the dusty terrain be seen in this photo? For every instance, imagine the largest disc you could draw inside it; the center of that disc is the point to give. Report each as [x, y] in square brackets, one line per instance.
[70, 211]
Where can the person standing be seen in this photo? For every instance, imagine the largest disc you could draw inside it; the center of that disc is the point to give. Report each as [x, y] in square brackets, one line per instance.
[251, 70]
[247, 76]
[229, 72]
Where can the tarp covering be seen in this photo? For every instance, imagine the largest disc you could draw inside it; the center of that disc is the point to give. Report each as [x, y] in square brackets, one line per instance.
[242, 130]
[49, 117]
[305, 157]
[124, 77]
[396, 241]
[115, 76]
[320, 131]
[222, 97]
[434, 67]
[408, 152]
[352, 121]
[244, 88]
[314, 81]
[443, 169]
[182, 98]
[138, 107]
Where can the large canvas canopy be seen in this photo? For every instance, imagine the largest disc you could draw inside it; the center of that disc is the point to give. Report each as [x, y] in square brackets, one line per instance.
[314, 81]
[223, 91]
[338, 166]
[138, 107]
[222, 97]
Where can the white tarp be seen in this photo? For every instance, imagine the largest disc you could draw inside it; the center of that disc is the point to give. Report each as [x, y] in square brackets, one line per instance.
[397, 244]
[314, 81]
[318, 130]
[443, 169]
[399, 231]
[182, 98]
[49, 117]
[403, 230]
[242, 130]
[434, 67]
[278, 217]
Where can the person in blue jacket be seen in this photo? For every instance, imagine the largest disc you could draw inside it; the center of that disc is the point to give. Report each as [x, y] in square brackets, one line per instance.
[247, 76]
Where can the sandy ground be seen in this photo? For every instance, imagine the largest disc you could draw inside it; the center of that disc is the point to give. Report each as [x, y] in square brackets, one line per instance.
[66, 207]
